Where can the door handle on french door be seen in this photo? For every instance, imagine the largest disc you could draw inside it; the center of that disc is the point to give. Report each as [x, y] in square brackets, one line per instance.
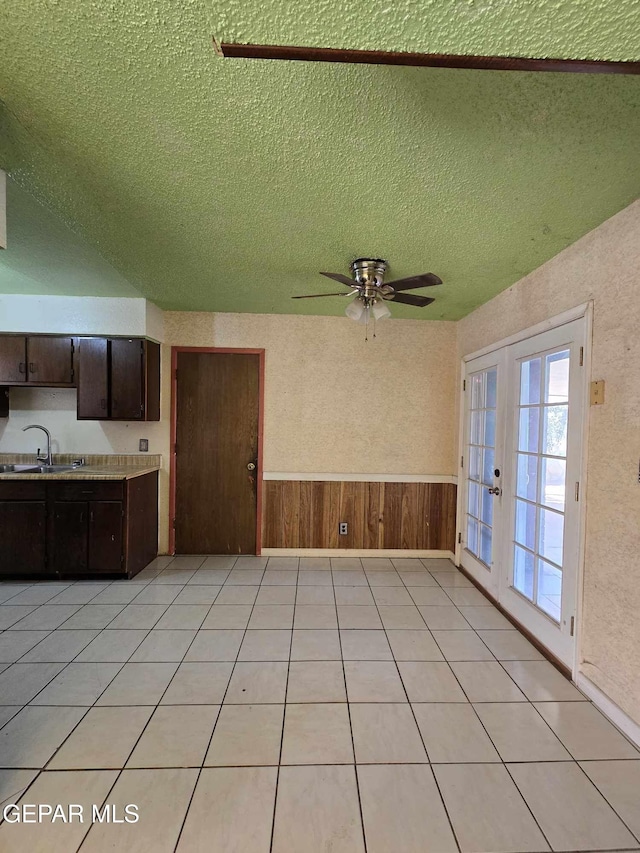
[497, 491]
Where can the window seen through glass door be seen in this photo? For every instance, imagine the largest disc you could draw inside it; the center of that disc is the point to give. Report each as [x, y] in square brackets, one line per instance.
[541, 461]
[481, 450]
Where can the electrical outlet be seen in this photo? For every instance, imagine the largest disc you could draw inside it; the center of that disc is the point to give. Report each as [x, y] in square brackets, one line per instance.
[143, 445]
[343, 528]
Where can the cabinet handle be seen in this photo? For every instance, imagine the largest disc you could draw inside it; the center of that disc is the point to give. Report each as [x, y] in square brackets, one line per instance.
[103, 403]
[22, 367]
[32, 367]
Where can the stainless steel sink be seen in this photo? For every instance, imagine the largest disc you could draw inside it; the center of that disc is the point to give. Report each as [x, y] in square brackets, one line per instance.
[50, 469]
[37, 469]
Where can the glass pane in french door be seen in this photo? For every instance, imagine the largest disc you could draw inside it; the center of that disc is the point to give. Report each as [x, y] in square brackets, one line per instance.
[541, 465]
[481, 453]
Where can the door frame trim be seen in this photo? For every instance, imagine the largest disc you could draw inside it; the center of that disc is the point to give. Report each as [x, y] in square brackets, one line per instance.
[175, 350]
[583, 311]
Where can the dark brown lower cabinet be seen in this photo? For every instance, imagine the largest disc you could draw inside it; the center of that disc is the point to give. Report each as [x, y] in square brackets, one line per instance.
[80, 528]
[105, 536]
[87, 537]
[70, 536]
[23, 537]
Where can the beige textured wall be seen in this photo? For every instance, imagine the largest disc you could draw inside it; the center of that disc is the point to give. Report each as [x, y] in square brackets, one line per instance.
[335, 403]
[604, 266]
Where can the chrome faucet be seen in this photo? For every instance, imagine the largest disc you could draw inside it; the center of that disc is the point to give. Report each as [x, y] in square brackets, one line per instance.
[46, 459]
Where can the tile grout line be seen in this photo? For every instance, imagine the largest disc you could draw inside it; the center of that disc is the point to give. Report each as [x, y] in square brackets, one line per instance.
[502, 761]
[284, 711]
[346, 693]
[444, 805]
[221, 705]
[66, 665]
[635, 835]
[156, 706]
[44, 769]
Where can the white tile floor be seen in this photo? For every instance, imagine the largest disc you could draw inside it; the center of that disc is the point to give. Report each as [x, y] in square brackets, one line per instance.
[248, 706]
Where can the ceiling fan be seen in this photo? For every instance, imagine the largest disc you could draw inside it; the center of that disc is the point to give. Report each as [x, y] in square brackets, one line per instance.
[371, 292]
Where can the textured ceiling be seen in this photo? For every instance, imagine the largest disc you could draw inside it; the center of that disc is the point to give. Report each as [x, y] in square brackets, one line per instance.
[567, 29]
[225, 185]
[46, 256]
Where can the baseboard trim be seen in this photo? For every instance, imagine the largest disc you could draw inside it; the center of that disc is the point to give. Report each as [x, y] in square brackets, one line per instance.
[362, 478]
[614, 712]
[559, 665]
[353, 552]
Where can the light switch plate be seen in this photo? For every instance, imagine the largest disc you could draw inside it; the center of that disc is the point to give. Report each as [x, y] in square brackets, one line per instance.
[143, 445]
[597, 392]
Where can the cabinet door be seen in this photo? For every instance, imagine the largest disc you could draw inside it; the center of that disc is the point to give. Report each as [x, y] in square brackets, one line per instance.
[105, 536]
[50, 360]
[127, 386]
[93, 379]
[152, 381]
[23, 530]
[70, 537]
[13, 359]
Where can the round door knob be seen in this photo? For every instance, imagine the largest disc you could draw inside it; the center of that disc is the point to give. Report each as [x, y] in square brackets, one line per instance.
[251, 466]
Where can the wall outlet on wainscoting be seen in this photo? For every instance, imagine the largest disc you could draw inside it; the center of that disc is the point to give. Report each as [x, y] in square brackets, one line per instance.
[343, 528]
[143, 445]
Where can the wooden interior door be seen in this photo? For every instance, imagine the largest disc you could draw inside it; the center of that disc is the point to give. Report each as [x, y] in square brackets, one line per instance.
[216, 455]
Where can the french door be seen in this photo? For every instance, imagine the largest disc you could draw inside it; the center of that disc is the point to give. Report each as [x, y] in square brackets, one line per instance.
[524, 415]
[484, 438]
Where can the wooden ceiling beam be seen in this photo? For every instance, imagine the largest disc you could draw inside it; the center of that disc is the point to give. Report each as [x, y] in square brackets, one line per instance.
[424, 60]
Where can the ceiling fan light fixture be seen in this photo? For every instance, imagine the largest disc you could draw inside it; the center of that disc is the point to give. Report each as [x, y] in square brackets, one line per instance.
[380, 310]
[355, 310]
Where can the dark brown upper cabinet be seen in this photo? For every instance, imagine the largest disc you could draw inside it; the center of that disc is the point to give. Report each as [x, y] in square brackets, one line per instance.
[50, 360]
[13, 359]
[119, 379]
[127, 379]
[37, 360]
[93, 378]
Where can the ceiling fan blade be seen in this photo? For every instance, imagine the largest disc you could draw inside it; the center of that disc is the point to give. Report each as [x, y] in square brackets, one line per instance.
[316, 295]
[343, 279]
[427, 279]
[410, 299]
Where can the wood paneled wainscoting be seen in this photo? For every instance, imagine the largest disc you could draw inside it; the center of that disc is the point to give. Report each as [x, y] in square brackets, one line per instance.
[410, 516]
